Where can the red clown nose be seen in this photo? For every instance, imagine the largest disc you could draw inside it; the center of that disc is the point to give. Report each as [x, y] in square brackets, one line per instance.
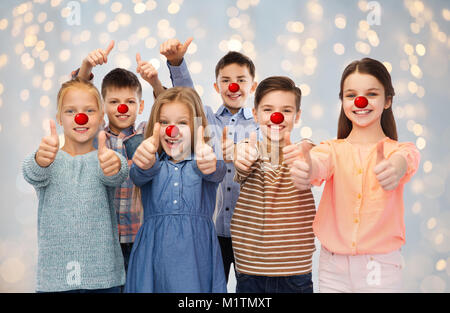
[277, 118]
[361, 102]
[172, 131]
[122, 108]
[81, 118]
[233, 87]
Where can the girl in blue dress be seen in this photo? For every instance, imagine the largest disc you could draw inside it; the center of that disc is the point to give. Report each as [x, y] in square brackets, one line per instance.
[176, 248]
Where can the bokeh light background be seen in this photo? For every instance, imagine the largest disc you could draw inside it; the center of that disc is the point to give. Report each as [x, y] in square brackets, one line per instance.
[310, 41]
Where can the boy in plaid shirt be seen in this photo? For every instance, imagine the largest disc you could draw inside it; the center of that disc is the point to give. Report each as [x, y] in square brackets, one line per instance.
[122, 97]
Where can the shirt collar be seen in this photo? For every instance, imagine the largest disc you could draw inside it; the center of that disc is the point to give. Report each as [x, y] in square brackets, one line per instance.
[245, 112]
[165, 157]
[124, 133]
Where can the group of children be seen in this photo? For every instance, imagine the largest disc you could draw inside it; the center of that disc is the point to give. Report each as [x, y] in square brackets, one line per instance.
[170, 205]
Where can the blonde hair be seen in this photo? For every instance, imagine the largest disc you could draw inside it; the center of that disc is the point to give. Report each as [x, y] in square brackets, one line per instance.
[183, 95]
[77, 83]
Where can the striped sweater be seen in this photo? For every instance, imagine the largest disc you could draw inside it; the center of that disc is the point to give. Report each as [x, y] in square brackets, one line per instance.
[271, 228]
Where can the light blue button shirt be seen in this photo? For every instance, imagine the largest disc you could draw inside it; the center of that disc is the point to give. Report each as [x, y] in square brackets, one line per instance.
[240, 125]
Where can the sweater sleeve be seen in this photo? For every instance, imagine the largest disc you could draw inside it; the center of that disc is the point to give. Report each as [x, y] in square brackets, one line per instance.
[119, 178]
[141, 177]
[37, 176]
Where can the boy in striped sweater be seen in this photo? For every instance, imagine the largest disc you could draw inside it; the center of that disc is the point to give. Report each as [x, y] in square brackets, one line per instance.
[271, 228]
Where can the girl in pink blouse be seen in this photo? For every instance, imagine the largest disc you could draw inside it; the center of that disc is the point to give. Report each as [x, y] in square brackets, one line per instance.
[360, 221]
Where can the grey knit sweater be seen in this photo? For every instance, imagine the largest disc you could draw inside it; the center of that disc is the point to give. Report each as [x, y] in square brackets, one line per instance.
[78, 244]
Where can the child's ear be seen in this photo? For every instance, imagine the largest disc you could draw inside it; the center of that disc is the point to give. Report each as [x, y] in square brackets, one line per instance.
[388, 103]
[141, 106]
[297, 116]
[216, 87]
[255, 115]
[254, 85]
[58, 119]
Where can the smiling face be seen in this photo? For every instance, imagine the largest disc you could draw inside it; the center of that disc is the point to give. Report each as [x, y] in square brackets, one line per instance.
[234, 73]
[356, 85]
[75, 101]
[276, 101]
[179, 114]
[117, 96]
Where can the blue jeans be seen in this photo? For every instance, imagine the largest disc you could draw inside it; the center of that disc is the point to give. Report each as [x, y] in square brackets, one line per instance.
[267, 284]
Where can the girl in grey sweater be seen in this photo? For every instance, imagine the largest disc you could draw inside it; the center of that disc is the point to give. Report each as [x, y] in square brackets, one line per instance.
[78, 246]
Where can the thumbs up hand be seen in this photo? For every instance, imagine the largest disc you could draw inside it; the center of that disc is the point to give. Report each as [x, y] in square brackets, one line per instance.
[206, 158]
[145, 155]
[227, 146]
[301, 169]
[99, 56]
[109, 161]
[246, 153]
[174, 50]
[48, 148]
[291, 152]
[385, 170]
[147, 71]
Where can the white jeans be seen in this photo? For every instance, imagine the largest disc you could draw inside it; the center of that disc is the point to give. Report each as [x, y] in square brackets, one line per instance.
[360, 273]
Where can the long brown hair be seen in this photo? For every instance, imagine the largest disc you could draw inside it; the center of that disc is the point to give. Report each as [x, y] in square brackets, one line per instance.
[379, 71]
[183, 95]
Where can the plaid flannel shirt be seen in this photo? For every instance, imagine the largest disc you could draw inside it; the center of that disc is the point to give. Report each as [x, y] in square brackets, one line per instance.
[127, 204]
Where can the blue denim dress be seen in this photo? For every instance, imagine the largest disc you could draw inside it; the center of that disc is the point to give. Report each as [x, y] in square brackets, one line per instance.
[176, 248]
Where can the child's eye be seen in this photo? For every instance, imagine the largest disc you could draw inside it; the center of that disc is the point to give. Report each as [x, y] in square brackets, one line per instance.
[350, 96]
[91, 110]
[68, 111]
[183, 123]
[131, 101]
[372, 94]
[163, 122]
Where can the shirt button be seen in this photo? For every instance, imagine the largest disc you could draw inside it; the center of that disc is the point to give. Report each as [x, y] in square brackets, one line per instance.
[353, 244]
[176, 184]
[176, 168]
[228, 188]
[227, 209]
[175, 201]
[360, 171]
[229, 171]
[359, 196]
[356, 221]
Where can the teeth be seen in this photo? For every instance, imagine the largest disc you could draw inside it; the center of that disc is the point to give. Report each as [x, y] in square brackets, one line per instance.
[81, 128]
[362, 112]
[275, 127]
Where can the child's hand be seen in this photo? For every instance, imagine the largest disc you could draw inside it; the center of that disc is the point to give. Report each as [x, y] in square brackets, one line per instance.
[227, 147]
[109, 161]
[145, 155]
[98, 56]
[291, 152]
[246, 154]
[48, 148]
[301, 169]
[174, 50]
[388, 175]
[147, 71]
[206, 158]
